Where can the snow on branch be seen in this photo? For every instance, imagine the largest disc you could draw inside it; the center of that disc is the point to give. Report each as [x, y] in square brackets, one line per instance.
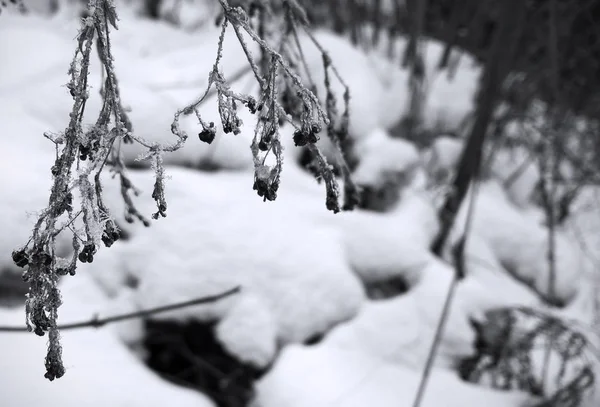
[83, 153]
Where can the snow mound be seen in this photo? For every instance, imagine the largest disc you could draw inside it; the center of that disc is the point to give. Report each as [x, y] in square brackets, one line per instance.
[328, 376]
[381, 156]
[520, 243]
[449, 95]
[189, 14]
[442, 157]
[219, 235]
[401, 330]
[380, 246]
[100, 370]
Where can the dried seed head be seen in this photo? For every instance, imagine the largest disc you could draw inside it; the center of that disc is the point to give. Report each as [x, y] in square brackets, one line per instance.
[20, 258]
[207, 135]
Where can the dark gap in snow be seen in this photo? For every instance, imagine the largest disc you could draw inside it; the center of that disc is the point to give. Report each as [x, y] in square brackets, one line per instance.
[137, 164]
[315, 339]
[189, 354]
[378, 198]
[132, 281]
[384, 289]
[209, 166]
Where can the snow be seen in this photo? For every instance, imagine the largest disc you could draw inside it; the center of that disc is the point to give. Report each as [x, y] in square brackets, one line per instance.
[154, 85]
[100, 370]
[442, 157]
[219, 235]
[518, 172]
[189, 14]
[381, 155]
[384, 245]
[449, 94]
[324, 375]
[300, 267]
[520, 242]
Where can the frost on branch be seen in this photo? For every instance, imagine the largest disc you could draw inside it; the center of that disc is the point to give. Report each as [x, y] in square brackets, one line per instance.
[283, 96]
[83, 152]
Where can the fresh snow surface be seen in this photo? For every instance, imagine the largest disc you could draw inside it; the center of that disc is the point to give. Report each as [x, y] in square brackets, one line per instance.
[101, 371]
[326, 376]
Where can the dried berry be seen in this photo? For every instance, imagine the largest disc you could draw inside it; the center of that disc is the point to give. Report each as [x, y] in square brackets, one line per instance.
[20, 258]
[251, 104]
[266, 189]
[300, 139]
[83, 257]
[84, 152]
[207, 135]
[87, 254]
[110, 235]
[263, 146]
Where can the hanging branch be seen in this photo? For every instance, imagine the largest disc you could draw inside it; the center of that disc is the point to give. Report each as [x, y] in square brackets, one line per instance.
[84, 153]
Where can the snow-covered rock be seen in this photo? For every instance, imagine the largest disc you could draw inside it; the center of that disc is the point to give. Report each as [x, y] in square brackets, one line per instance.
[380, 246]
[498, 287]
[101, 371]
[218, 235]
[323, 375]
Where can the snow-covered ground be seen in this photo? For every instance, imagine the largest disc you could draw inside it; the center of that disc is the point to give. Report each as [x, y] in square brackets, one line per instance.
[302, 269]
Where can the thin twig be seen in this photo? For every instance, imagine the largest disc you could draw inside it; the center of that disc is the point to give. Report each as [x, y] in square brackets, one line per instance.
[96, 322]
[496, 68]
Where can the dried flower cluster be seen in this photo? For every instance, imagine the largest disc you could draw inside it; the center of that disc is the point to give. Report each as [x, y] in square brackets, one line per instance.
[83, 153]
